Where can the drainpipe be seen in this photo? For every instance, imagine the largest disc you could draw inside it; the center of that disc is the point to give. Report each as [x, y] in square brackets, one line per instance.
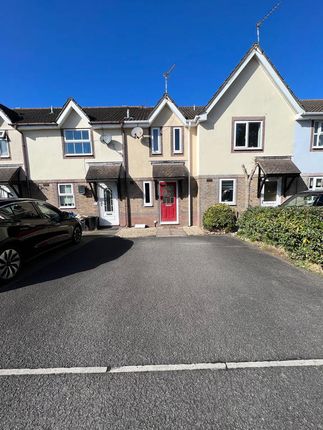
[189, 176]
[25, 158]
[126, 170]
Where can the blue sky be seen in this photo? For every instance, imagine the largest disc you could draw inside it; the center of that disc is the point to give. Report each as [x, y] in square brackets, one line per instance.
[108, 52]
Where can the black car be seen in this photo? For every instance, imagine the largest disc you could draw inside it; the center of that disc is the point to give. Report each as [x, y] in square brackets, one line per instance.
[305, 198]
[28, 227]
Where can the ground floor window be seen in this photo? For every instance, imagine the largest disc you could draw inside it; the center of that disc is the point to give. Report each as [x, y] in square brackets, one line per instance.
[66, 196]
[227, 191]
[316, 183]
[147, 193]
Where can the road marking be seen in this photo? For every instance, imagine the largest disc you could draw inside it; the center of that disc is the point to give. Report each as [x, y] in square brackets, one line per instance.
[168, 367]
[52, 371]
[283, 363]
[164, 367]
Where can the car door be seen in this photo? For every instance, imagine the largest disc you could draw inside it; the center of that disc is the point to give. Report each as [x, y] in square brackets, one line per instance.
[28, 226]
[59, 229]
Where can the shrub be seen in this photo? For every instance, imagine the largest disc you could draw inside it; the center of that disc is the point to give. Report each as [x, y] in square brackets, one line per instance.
[219, 217]
[297, 230]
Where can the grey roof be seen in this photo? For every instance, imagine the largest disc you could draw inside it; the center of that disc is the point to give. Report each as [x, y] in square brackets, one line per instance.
[103, 172]
[169, 170]
[277, 166]
[315, 105]
[108, 114]
[11, 174]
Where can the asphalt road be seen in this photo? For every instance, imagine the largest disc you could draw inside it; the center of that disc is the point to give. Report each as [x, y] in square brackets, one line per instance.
[115, 302]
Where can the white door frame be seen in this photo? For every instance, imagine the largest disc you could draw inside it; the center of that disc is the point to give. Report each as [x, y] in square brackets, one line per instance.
[108, 219]
[177, 213]
[276, 202]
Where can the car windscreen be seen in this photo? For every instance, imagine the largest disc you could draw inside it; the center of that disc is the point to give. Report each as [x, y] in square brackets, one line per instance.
[302, 200]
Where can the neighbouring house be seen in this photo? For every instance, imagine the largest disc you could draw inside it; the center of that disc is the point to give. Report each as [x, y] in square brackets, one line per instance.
[254, 143]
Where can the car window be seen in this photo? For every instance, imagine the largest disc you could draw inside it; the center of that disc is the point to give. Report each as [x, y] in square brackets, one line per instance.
[305, 200]
[49, 212]
[319, 201]
[6, 213]
[23, 210]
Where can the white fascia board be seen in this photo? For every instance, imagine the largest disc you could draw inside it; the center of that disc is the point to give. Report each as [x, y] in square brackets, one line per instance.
[230, 81]
[5, 117]
[105, 126]
[37, 127]
[280, 84]
[310, 115]
[172, 107]
[71, 105]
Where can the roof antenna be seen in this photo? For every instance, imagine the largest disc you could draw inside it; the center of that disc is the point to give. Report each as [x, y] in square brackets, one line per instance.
[166, 75]
[259, 23]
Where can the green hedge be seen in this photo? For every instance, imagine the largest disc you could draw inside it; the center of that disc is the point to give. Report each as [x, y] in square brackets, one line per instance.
[219, 217]
[298, 230]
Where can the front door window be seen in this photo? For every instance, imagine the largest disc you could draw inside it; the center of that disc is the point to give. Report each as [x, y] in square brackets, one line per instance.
[108, 200]
[271, 192]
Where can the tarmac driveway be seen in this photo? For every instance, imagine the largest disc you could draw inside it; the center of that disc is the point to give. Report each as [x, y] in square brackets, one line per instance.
[118, 302]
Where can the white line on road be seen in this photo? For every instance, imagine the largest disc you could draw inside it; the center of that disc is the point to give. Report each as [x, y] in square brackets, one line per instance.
[168, 367]
[164, 367]
[52, 371]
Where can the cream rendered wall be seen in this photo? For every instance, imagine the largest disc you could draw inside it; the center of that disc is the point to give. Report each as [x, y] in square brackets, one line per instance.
[253, 94]
[45, 148]
[15, 145]
[139, 150]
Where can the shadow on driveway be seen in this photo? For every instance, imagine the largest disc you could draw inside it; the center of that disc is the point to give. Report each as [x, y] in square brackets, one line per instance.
[70, 259]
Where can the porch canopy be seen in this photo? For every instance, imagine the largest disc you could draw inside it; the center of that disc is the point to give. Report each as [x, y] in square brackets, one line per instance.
[277, 167]
[169, 171]
[14, 177]
[102, 173]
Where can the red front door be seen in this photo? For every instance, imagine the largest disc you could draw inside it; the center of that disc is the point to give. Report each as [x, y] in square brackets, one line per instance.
[168, 202]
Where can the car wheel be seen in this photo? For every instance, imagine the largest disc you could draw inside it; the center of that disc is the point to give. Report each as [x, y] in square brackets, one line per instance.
[77, 235]
[10, 263]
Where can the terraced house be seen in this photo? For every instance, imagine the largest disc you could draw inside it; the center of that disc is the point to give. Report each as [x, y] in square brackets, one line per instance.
[254, 143]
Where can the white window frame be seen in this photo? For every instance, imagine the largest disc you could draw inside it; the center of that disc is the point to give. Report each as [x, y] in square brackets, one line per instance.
[233, 203]
[5, 139]
[180, 151]
[159, 140]
[317, 135]
[260, 137]
[65, 194]
[66, 141]
[150, 203]
[314, 187]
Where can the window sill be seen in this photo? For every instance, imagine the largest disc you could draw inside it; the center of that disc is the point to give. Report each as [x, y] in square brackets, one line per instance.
[148, 206]
[67, 207]
[247, 149]
[78, 155]
[229, 203]
[317, 148]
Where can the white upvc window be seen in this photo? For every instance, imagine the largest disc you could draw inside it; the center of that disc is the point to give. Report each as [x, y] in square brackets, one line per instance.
[227, 191]
[155, 140]
[66, 196]
[77, 143]
[147, 193]
[248, 135]
[316, 183]
[318, 135]
[4, 145]
[177, 140]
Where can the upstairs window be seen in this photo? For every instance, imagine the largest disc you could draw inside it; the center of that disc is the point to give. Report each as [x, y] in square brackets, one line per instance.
[316, 183]
[155, 141]
[177, 140]
[77, 142]
[248, 135]
[318, 135]
[4, 145]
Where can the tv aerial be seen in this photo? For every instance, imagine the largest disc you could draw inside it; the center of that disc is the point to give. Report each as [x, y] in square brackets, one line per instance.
[259, 23]
[166, 75]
